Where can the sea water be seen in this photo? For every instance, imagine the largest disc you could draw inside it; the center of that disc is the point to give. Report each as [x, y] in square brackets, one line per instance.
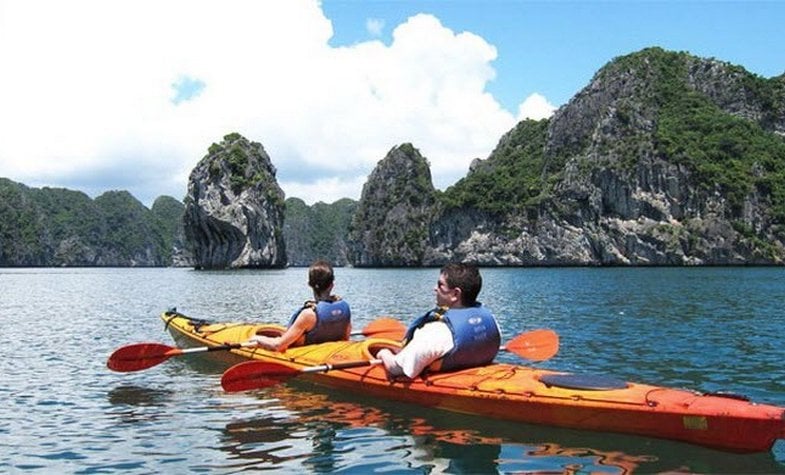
[707, 329]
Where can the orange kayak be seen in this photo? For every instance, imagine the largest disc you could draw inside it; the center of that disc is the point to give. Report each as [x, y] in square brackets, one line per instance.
[514, 392]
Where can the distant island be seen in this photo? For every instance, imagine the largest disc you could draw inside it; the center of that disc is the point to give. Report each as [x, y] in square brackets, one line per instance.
[664, 158]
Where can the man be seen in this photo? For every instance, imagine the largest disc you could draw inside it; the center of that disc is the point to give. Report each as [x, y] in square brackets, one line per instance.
[459, 333]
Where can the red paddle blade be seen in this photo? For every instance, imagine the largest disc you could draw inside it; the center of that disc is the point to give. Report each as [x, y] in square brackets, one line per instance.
[536, 345]
[385, 327]
[255, 375]
[139, 356]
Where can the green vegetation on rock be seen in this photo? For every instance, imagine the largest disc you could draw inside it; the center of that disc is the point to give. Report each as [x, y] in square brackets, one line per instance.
[318, 231]
[60, 227]
[511, 179]
[664, 158]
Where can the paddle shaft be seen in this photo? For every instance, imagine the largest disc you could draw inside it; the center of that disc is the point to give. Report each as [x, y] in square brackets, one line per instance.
[203, 349]
[232, 346]
[261, 374]
[535, 345]
[248, 344]
[518, 345]
[333, 366]
[141, 356]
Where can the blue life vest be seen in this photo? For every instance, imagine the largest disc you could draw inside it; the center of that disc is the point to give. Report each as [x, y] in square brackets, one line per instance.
[475, 336]
[333, 318]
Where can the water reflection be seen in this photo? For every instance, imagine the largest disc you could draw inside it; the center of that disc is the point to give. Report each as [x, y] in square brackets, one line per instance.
[297, 425]
[137, 404]
[327, 432]
[709, 329]
[132, 395]
[259, 441]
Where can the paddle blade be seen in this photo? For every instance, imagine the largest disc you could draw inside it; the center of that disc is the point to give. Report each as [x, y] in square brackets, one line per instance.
[138, 356]
[255, 375]
[385, 327]
[536, 345]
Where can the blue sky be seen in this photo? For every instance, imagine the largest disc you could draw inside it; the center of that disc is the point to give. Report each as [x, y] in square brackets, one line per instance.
[555, 47]
[129, 94]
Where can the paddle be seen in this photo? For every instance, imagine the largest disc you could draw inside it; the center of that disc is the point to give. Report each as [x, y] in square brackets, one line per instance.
[383, 327]
[536, 345]
[139, 356]
[262, 374]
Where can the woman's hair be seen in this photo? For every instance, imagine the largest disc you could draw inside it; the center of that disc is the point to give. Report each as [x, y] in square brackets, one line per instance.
[320, 275]
[467, 278]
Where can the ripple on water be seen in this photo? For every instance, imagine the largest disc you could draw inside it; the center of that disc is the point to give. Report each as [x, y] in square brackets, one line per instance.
[63, 411]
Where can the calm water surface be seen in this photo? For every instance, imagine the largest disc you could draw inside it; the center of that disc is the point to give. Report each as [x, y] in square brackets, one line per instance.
[707, 329]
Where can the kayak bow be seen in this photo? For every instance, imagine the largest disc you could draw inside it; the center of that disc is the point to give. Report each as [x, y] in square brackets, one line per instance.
[139, 356]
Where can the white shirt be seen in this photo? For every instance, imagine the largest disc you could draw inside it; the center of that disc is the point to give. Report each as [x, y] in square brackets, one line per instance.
[428, 344]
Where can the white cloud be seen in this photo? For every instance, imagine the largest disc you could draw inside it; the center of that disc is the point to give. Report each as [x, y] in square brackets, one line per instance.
[536, 107]
[87, 94]
[327, 190]
[374, 26]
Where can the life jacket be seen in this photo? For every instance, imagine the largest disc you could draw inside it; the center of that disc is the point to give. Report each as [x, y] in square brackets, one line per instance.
[333, 318]
[475, 336]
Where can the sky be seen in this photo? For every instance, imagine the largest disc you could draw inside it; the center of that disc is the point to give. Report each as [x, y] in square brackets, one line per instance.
[100, 95]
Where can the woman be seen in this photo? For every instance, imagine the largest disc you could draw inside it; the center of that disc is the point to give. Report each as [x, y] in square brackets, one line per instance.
[325, 318]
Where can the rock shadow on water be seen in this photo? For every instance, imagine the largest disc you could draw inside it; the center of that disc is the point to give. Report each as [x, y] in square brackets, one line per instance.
[133, 395]
[206, 364]
[138, 404]
[262, 441]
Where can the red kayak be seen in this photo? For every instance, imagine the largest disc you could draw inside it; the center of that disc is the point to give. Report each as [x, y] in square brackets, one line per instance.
[502, 391]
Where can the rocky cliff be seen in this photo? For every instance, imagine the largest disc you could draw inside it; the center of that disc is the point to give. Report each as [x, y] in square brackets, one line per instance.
[392, 221]
[234, 208]
[167, 215]
[319, 231]
[60, 227]
[663, 159]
